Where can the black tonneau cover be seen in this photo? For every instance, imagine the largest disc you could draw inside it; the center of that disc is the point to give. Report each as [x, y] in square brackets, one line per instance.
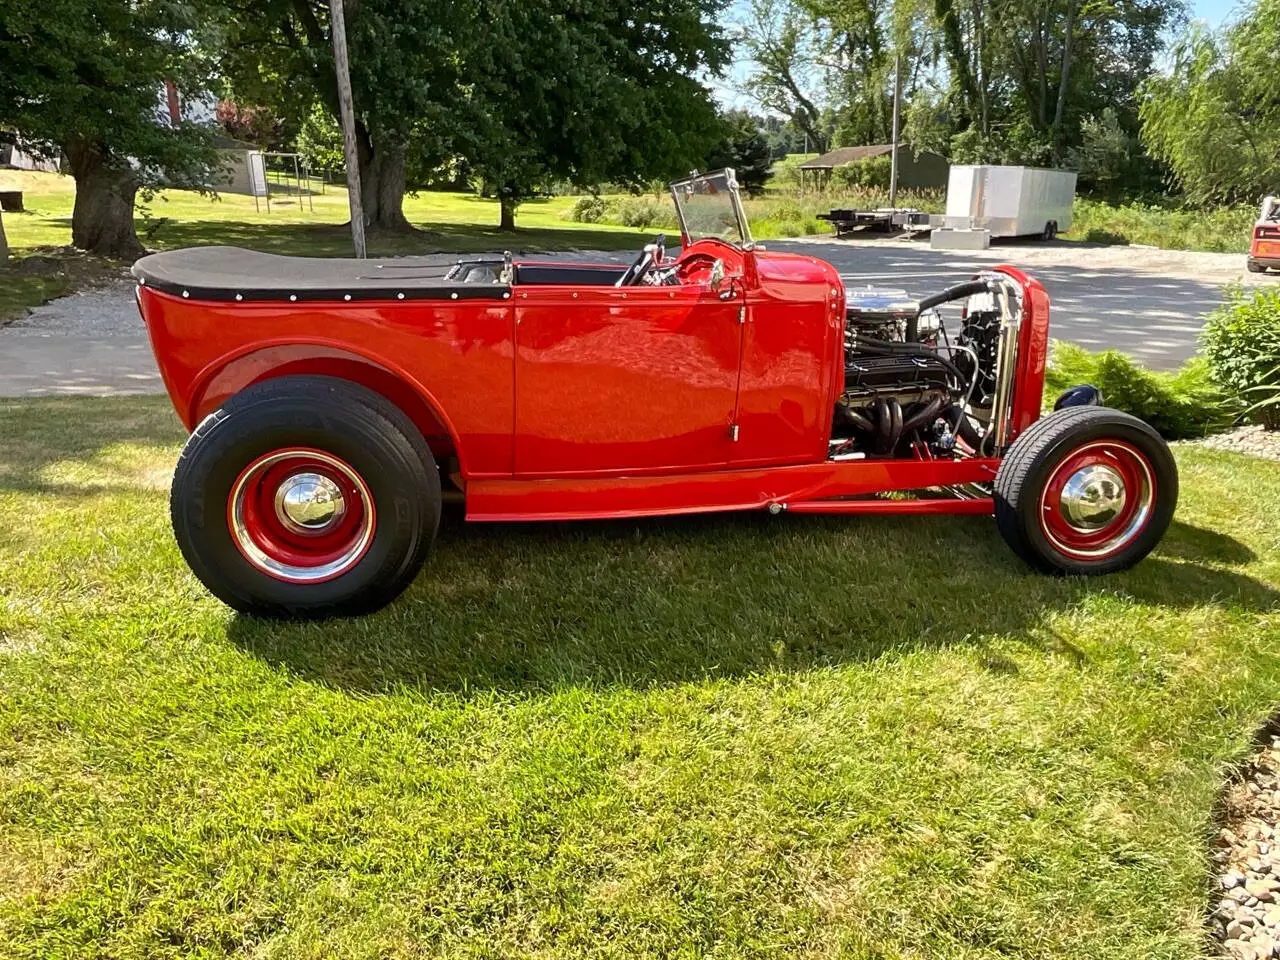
[232, 273]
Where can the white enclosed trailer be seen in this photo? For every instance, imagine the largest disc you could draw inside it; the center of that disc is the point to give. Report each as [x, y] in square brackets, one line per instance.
[1009, 201]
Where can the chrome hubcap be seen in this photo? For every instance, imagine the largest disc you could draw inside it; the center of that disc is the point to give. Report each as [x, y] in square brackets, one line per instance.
[1093, 497]
[309, 503]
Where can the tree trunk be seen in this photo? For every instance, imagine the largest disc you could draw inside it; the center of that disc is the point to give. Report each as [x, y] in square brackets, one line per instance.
[102, 218]
[508, 214]
[381, 183]
[4, 241]
[1059, 110]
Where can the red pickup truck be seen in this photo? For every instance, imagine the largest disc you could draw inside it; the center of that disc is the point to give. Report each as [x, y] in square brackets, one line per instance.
[332, 402]
[1264, 250]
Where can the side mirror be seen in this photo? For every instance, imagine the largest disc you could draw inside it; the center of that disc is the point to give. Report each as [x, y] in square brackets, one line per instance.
[717, 275]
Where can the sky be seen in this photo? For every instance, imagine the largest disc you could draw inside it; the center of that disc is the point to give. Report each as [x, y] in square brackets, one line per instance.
[1214, 11]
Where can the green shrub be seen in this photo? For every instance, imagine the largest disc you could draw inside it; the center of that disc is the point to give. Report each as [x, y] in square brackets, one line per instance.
[1180, 405]
[589, 209]
[873, 172]
[640, 212]
[1099, 235]
[1242, 347]
[1164, 225]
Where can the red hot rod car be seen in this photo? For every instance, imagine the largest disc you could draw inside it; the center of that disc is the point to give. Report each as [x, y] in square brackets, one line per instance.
[329, 400]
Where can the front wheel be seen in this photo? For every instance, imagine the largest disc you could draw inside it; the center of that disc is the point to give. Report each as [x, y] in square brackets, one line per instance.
[306, 496]
[1086, 490]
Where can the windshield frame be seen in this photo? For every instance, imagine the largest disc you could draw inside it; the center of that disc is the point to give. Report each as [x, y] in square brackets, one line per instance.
[744, 241]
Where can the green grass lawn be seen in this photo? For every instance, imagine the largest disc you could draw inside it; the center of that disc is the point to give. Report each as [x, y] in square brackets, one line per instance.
[734, 736]
[448, 222]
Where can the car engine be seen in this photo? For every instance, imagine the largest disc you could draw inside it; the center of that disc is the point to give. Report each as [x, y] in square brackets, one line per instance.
[911, 386]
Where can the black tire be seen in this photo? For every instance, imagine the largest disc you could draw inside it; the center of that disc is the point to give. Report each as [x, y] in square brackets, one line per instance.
[1032, 462]
[342, 420]
[1050, 231]
[1253, 266]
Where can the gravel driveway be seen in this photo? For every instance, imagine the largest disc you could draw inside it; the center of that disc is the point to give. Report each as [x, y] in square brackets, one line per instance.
[1149, 303]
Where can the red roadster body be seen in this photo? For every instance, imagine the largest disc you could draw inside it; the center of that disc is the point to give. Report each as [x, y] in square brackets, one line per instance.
[328, 399]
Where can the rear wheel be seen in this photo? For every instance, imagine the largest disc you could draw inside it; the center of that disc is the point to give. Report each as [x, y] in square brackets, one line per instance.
[1086, 490]
[306, 496]
[1253, 266]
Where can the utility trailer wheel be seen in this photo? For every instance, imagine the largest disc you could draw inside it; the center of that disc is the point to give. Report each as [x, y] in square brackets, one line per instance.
[306, 497]
[1050, 231]
[1086, 490]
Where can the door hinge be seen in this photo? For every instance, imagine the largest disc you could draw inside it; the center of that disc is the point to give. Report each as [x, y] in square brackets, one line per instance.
[742, 314]
[733, 432]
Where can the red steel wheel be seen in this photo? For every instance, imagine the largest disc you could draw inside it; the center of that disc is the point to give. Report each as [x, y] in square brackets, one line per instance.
[301, 515]
[306, 496]
[1098, 500]
[1085, 490]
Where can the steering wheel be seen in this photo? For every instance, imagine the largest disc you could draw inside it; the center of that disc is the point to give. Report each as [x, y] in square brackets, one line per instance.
[642, 266]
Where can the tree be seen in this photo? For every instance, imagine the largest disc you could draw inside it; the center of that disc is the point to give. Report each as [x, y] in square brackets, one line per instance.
[405, 80]
[783, 42]
[745, 148]
[256, 125]
[84, 77]
[1105, 152]
[4, 241]
[1215, 118]
[603, 90]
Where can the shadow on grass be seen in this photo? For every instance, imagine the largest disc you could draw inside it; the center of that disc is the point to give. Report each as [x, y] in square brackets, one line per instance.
[526, 607]
[38, 432]
[523, 607]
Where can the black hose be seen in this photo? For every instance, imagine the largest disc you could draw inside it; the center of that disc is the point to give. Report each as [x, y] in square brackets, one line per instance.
[958, 292]
[966, 289]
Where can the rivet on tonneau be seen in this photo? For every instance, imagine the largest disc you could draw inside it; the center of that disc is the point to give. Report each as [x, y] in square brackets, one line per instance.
[239, 296]
[185, 294]
[399, 296]
[453, 296]
[346, 296]
[293, 296]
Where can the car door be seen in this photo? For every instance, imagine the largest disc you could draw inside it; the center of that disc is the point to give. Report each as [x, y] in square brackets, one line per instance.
[624, 379]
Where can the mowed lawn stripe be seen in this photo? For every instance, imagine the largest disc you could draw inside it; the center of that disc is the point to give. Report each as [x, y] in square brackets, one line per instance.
[719, 736]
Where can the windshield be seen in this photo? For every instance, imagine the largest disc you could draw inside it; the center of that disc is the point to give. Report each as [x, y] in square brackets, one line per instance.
[709, 206]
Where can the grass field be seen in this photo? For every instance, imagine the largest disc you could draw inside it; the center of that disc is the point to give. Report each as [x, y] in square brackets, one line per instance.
[447, 222]
[718, 737]
[1224, 230]
[177, 218]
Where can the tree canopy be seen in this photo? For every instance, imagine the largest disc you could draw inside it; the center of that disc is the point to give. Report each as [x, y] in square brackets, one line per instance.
[1014, 81]
[86, 78]
[1215, 117]
[599, 90]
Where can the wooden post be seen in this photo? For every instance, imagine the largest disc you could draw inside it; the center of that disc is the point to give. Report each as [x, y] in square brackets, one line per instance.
[893, 163]
[338, 27]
